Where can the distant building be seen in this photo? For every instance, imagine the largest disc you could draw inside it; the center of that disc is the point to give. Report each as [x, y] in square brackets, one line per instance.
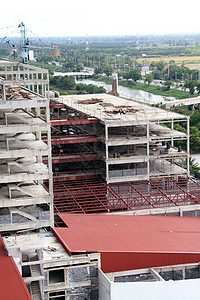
[145, 70]
[55, 51]
[115, 82]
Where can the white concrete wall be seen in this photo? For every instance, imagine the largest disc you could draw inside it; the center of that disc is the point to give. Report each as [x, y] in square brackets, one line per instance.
[165, 290]
[104, 286]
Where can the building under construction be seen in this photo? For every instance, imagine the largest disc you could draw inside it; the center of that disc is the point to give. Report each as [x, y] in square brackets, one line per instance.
[110, 154]
[24, 202]
[87, 154]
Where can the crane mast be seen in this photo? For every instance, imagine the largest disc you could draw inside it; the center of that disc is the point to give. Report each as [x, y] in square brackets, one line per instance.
[24, 43]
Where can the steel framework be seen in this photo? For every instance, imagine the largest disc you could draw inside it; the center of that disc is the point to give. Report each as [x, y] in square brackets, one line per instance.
[92, 195]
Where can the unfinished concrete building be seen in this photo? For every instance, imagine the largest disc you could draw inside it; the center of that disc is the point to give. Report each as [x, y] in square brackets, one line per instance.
[110, 154]
[31, 77]
[49, 271]
[24, 201]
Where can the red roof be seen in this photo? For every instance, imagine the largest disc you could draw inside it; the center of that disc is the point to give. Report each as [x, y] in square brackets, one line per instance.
[125, 235]
[12, 285]
[2, 248]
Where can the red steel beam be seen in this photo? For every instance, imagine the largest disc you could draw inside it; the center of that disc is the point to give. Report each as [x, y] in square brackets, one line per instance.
[191, 196]
[74, 177]
[68, 136]
[64, 159]
[164, 194]
[56, 105]
[87, 195]
[72, 140]
[73, 122]
[119, 198]
[95, 195]
[75, 200]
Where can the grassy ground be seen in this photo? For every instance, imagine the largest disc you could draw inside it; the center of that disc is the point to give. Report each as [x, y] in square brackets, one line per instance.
[177, 59]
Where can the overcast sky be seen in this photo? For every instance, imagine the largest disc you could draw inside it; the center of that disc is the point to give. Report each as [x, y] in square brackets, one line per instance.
[104, 17]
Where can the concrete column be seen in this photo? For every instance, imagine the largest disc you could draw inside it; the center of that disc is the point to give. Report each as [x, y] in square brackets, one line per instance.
[106, 145]
[50, 177]
[12, 73]
[148, 162]
[6, 75]
[37, 83]
[107, 166]
[18, 73]
[43, 89]
[172, 128]
[188, 145]
[4, 92]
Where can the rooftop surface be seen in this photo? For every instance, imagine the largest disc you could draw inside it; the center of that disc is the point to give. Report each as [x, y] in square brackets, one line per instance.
[109, 109]
[87, 233]
[51, 248]
[132, 241]
[9, 63]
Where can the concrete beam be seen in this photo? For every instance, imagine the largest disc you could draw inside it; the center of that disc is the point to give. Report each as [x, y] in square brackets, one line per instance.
[156, 275]
[126, 178]
[25, 201]
[12, 105]
[13, 128]
[25, 225]
[22, 213]
[23, 177]
[124, 141]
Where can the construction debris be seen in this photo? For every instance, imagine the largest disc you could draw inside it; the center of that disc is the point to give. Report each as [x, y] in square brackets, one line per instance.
[122, 110]
[13, 94]
[90, 101]
[105, 104]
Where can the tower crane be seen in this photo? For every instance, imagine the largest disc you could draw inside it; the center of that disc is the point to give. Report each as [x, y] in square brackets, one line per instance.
[25, 44]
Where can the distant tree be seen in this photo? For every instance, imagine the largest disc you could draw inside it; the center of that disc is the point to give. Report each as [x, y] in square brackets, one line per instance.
[108, 70]
[148, 78]
[194, 138]
[190, 84]
[198, 88]
[160, 65]
[63, 82]
[135, 74]
[126, 75]
[98, 70]
[79, 67]
[157, 74]
[90, 88]
[69, 82]
[69, 66]
[168, 84]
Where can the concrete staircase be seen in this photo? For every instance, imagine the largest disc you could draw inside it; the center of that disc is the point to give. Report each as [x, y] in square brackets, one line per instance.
[35, 290]
[35, 270]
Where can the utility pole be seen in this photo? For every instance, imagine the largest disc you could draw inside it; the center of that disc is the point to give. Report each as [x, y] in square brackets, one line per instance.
[87, 44]
[199, 74]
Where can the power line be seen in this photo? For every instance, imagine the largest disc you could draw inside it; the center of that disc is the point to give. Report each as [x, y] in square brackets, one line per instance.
[33, 34]
[7, 27]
